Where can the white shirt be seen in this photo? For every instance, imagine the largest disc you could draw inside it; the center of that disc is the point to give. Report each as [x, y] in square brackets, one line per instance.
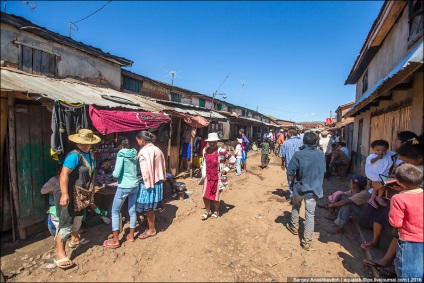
[325, 144]
[237, 152]
[381, 166]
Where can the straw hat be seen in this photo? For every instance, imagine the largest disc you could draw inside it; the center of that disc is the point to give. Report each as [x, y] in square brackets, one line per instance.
[213, 137]
[324, 133]
[84, 136]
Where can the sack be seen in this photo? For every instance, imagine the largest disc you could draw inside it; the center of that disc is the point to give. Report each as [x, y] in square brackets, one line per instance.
[83, 197]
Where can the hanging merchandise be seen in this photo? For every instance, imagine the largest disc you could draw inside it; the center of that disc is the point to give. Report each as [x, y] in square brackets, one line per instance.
[114, 121]
[67, 119]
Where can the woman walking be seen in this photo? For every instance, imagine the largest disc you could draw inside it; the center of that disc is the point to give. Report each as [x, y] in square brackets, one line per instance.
[126, 171]
[214, 172]
[74, 193]
[150, 195]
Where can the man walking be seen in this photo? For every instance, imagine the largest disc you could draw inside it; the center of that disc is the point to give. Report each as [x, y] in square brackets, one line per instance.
[289, 147]
[245, 149]
[306, 170]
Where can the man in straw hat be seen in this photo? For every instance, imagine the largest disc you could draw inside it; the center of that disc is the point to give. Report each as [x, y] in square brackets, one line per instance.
[74, 193]
[214, 171]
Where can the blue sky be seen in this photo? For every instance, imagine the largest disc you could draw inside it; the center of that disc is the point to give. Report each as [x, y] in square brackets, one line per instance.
[294, 56]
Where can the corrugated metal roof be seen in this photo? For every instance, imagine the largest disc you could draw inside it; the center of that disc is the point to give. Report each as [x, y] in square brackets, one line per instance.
[415, 56]
[74, 91]
[196, 112]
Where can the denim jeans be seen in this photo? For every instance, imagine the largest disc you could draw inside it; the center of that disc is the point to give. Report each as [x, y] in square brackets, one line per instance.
[310, 204]
[290, 187]
[409, 260]
[118, 201]
[357, 212]
[238, 165]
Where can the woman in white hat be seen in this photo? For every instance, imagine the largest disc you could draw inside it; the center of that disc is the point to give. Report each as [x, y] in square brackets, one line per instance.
[214, 171]
[74, 192]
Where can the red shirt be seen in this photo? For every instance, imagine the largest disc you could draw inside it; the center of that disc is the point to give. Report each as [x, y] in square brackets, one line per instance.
[406, 213]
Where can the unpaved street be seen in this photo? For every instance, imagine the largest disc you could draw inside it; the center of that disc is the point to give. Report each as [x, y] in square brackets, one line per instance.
[248, 242]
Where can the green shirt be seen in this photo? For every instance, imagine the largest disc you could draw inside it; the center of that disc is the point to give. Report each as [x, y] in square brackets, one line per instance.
[265, 147]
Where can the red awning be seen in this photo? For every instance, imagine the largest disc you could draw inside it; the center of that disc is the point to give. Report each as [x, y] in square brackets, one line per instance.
[114, 121]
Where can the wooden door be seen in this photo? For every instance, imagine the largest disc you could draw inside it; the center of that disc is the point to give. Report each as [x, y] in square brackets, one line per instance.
[34, 165]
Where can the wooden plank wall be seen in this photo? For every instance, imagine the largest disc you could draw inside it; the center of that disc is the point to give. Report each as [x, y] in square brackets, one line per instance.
[34, 166]
[386, 126]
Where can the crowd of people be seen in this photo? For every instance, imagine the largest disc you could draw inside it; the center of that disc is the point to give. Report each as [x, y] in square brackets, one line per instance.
[390, 194]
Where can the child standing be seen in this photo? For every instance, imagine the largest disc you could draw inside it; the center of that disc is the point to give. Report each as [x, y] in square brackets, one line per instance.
[264, 152]
[378, 163]
[238, 153]
[406, 213]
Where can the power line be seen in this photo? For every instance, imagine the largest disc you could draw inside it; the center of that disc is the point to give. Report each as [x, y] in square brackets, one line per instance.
[74, 23]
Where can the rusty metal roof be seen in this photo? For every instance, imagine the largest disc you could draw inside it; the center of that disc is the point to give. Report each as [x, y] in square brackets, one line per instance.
[73, 91]
[23, 24]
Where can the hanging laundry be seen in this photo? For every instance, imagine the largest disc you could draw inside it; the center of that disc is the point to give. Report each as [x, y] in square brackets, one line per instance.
[67, 119]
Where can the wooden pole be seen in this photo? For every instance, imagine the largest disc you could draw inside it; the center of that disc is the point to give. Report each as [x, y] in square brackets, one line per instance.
[13, 167]
[191, 154]
[169, 148]
[179, 144]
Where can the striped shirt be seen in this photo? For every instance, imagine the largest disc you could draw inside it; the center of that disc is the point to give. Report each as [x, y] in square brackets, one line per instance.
[289, 147]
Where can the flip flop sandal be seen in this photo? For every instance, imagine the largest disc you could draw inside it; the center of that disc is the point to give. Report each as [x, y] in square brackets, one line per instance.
[128, 238]
[80, 243]
[144, 235]
[371, 263]
[107, 244]
[368, 246]
[206, 215]
[59, 262]
[291, 229]
[387, 271]
[372, 203]
[215, 215]
[380, 201]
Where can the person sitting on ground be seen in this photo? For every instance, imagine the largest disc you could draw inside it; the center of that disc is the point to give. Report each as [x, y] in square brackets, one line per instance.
[238, 155]
[338, 157]
[264, 152]
[408, 149]
[378, 163]
[344, 149]
[406, 214]
[352, 203]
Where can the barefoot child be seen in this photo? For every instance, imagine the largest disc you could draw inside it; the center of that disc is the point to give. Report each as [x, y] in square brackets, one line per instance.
[378, 163]
[264, 152]
[406, 213]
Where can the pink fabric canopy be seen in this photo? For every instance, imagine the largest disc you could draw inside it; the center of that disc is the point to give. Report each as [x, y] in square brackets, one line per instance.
[114, 121]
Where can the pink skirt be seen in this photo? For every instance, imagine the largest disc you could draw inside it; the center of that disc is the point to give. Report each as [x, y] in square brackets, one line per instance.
[210, 190]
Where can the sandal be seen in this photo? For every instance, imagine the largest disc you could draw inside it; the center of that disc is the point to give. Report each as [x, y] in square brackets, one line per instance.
[306, 246]
[81, 242]
[381, 201]
[387, 271]
[206, 215]
[109, 244]
[144, 235]
[371, 263]
[215, 215]
[61, 263]
[291, 229]
[128, 238]
[372, 203]
[368, 246]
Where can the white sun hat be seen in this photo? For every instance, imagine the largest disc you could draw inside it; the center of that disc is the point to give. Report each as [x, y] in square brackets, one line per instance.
[213, 137]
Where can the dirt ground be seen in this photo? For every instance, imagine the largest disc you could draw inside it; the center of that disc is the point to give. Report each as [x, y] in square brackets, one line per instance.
[248, 242]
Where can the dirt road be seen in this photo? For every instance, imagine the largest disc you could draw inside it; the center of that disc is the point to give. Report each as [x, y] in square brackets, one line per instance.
[248, 242]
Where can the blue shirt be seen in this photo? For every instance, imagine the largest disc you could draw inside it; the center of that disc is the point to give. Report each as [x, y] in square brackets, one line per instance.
[71, 160]
[289, 147]
[308, 168]
[246, 142]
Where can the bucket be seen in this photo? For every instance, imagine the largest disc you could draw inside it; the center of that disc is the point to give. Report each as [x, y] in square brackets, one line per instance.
[197, 160]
